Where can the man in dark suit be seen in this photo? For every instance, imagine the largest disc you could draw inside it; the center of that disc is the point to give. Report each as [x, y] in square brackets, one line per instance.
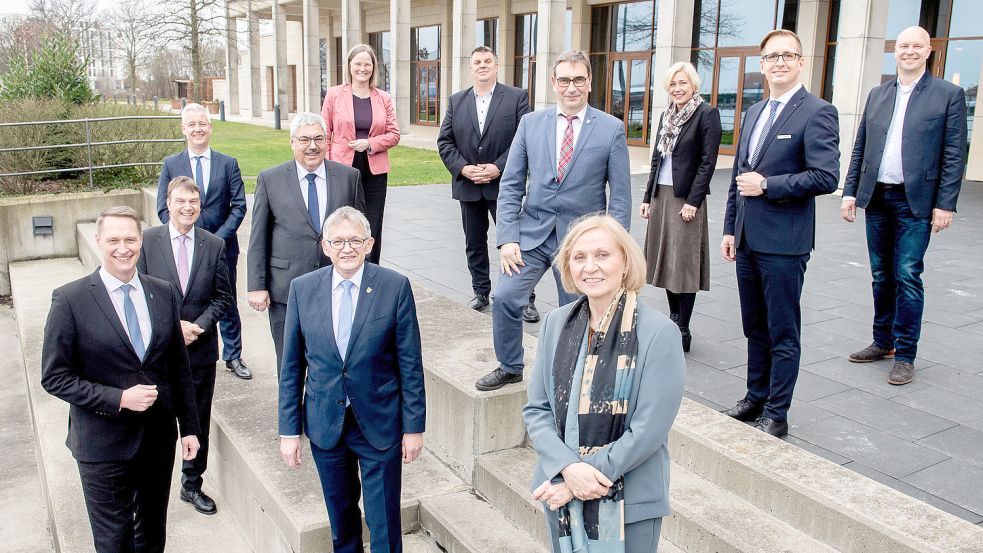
[787, 155]
[114, 350]
[291, 202]
[352, 380]
[223, 207]
[193, 260]
[906, 172]
[474, 148]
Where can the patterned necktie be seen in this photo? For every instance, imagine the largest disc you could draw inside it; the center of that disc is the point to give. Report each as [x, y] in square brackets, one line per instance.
[183, 272]
[764, 133]
[312, 207]
[199, 177]
[566, 149]
[132, 323]
[345, 318]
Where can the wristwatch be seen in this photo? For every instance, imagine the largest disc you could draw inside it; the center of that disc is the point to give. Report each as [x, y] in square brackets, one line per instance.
[764, 186]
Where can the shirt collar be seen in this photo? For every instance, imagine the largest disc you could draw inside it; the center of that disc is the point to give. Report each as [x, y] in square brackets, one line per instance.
[336, 278]
[581, 115]
[175, 233]
[207, 154]
[487, 94]
[302, 172]
[785, 98]
[908, 87]
[112, 283]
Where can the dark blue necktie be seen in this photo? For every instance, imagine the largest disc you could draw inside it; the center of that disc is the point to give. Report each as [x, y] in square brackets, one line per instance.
[199, 179]
[312, 207]
[132, 323]
[764, 133]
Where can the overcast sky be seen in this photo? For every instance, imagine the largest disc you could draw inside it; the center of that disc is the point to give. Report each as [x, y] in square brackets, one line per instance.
[21, 6]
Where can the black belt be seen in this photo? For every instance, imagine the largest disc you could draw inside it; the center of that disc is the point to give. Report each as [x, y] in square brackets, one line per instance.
[890, 185]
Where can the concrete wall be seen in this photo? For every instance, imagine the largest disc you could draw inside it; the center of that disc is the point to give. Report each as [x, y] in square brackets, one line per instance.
[17, 240]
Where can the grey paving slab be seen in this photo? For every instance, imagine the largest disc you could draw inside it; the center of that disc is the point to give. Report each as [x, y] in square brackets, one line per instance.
[956, 480]
[885, 415]
[804, 412]
[960, 442]
[810, 387]
[964, 410]
[959, 381]
[869, 377]
[815, 449]
[918, 493]
[700, 377]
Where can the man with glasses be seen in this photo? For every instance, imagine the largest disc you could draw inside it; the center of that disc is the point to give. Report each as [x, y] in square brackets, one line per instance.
[291, 202]
[565, 161]
[906, 173]
[787, 154]
[223, 207]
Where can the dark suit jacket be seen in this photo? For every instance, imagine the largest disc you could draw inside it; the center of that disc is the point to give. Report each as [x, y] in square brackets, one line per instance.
[693, 158]
[801, 160]
[209, 294]
[460, 143]
[933, 146]
[283, 243]
[87, 360]
[223, 207]
[382, 373]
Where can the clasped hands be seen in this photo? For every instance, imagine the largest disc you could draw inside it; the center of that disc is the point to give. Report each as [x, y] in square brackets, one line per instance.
[580, 480]
[481, 173]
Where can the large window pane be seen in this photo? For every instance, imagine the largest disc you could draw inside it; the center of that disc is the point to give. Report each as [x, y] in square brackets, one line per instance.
[727, 97]
[900, 15]
[754, 84]
[787, 14]
[487, 33]
[599, 80]
[525, 34]
[965, 19]
[705, 24]
[568, 35]
[425, 43]
[619, 88]
[703, 60]
[889, 68]
[962, 67]
[600, 28]
[828, 80]
[744, 22]
[632, 27]
[636, 100]
[380, 42]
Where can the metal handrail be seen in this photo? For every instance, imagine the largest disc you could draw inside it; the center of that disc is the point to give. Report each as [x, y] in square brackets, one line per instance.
[118, 118]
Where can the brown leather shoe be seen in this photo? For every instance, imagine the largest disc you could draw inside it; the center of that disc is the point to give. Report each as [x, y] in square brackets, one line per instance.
[902, 373]
[871, 353]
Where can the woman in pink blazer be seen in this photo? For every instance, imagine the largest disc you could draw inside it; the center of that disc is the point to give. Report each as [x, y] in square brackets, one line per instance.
[362, 127]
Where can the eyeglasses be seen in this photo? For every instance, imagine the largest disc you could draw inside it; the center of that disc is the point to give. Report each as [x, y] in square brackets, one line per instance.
[193, 126]
[355, 243]
[577, 81]
[306, 140]
[786, 57]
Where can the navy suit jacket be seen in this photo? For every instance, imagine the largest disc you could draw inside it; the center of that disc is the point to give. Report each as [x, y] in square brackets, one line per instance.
[801, 160]
[223, 206]
[933, 146]
[382, 373]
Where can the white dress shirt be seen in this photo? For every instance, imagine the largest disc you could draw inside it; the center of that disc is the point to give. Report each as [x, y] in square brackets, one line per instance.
[206, 168]
[321, 183]
[481, 105]
[665, 171]
[891, 170]
[561, 127]
[139, 298]
[176, 245]
[759, 125]
[337, 291]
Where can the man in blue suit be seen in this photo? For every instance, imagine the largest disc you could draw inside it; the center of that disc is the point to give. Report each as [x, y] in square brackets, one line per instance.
[352, 380]
[906, 172]
[223, 207]
[565, 161]
[787, 155]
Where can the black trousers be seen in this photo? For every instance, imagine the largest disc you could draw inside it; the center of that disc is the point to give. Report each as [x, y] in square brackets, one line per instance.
[203, 377]
[127, 500]
[474, 217]
[374, 187]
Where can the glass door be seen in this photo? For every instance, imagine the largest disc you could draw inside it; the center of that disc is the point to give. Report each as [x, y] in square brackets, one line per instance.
[629, 94]
[426, 92]
[738, 85]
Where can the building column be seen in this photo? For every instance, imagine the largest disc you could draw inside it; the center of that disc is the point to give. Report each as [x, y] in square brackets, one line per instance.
[232, 61]
[580, 32]
[506, 43]
[280, 58]
[351, 25]
[550, 28]
[463, 19]
[312, 56]
[974, 167]
[813, 27]
[402, 78]
[255, 75]
[327, 30]
[859, 54]
[673, 43]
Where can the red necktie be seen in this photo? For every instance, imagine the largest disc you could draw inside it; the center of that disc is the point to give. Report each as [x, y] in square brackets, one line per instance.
[566, 149]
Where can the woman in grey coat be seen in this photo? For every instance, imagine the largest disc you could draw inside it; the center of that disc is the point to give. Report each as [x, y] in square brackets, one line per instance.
[605, 389]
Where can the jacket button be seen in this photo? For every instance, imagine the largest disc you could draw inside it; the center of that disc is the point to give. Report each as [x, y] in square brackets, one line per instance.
[344, 372]
[341, 402]
[479, 148]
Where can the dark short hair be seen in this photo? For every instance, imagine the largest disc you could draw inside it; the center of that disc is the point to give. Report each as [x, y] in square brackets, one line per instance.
[781, 32]
[182, 183]
[484, 48]
[121, 211]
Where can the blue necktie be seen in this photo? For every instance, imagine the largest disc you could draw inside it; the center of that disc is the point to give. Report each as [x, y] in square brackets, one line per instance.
[312, 207]
[199, 179]
[345, 318]
[132, 323]
[764, 132]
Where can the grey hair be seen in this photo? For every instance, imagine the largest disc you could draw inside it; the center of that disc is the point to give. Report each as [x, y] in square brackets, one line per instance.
[346, 213]
[306, 118]
[573, 56]
[196, 107]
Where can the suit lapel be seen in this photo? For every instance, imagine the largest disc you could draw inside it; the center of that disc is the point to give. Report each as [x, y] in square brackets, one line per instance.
[101, 297]
[155, 304]
[348, 100]
[198, 258]
[748, 129]
[585, 130]
[913, 102]
[293, 189]
[550, 137]
[184, 161]
[784, 116]
[493, 107]
[366, 293]
[164, 244]
[212, 175]
[324, 299]
[469, 102]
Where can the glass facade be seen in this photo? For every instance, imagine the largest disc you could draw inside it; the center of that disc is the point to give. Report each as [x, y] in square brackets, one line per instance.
[425, 66]
[486, 33]
[525, 53]
[380, 42]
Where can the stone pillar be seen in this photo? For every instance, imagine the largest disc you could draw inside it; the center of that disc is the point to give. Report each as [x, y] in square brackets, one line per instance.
[402, 78]
[580, 32]
[280, 58]
[351, 25]
[463, 18]
[859, 54]
[813, 26]
[327, 32]
[232, 62]
[255, 75]
[974, 168]
[506, 43]
[312, 56]
[673, 40]
[549, 44]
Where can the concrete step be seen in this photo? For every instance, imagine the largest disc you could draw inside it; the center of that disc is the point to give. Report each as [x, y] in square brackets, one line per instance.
[465, 523]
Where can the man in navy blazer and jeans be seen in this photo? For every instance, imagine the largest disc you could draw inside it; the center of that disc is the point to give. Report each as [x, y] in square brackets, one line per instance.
[906, 172]
[788, 154]
[223, 207]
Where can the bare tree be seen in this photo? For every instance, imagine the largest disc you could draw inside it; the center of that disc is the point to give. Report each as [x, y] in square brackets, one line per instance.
[133, 22]
[67, 16]
[194, 24]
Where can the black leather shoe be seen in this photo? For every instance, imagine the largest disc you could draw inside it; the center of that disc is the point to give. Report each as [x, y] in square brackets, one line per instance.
[496, 379]
[745, 411]
[777, 429]
[201, 502]
[239, 368]
[687, 338]
[479, 302]
[530, 314]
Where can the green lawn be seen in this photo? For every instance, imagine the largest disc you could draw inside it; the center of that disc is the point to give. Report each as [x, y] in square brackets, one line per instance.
[258, 148]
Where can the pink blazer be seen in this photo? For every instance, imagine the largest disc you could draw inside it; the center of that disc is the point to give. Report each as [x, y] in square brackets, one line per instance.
[339, 116]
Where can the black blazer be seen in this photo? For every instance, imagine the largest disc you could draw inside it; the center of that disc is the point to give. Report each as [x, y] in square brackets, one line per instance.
[459, 142]
[209, 293]
[223, 207]
[87, 360]
[933, 145]
[693, 158]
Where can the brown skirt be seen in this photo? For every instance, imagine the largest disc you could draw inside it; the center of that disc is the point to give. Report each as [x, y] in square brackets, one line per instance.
[677, 253]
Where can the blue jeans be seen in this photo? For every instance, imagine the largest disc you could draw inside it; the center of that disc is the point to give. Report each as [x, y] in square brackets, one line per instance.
[230, 325]
[896, 243]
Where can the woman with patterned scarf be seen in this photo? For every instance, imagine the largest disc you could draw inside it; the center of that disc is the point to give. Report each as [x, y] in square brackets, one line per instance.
[677, 238]
[606, 385]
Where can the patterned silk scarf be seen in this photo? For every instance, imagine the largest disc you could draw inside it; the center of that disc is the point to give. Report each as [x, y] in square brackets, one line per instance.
[673, 120]
[608, 373]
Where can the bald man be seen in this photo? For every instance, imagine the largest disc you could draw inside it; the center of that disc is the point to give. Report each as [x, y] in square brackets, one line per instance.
[906, 172]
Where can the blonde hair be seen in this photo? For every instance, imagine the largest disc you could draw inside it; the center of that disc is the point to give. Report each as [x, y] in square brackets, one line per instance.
[634, 260]
[686, 68]
[356, 50]
[781, 32]
[121, 211]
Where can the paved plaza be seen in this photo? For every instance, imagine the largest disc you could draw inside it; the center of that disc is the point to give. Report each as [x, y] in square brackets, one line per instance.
[924, 439]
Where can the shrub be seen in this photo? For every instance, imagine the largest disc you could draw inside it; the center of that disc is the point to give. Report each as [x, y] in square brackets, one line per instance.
[54, 71]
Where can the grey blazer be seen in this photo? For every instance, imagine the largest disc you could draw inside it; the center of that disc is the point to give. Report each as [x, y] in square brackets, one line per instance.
[283, 243]
[641, 454]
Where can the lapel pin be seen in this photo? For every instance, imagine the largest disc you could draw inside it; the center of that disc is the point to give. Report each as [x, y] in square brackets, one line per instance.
[368, 290]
